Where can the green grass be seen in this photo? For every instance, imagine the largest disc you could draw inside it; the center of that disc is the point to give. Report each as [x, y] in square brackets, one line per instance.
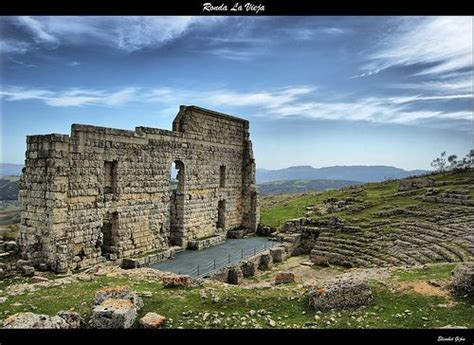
[286, 305]
[437, 271]
[275, 210]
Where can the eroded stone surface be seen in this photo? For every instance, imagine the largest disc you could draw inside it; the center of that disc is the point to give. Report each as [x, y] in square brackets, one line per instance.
[103, 194]
[340, 293]
[63, 320]
[463, 280]
[152, 321]
[114, 313]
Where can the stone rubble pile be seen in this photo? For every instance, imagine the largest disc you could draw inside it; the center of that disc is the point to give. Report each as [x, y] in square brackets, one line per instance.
[115, 308]
[27, 320]
[462, 283]
[340, 293]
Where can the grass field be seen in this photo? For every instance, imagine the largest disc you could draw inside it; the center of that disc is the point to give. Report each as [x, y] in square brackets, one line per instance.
[239, 307]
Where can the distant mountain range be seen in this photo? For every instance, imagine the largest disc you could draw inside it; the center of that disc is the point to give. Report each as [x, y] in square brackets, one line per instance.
[359, 173]
[9, 169]
[301, 186]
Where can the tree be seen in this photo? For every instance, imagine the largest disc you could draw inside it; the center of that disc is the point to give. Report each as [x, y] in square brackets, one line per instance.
[453, 162]
[439, 163]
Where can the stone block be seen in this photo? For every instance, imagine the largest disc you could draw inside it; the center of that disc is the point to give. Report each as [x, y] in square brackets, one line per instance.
[114, 313]
[152, 321]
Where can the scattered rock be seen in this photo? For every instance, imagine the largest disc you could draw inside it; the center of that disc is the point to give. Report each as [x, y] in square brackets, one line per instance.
[320, 260]
[249, 268]
[152, 321]
[235, 275]
[278, 254]
[28, 271]
[38, 279]
[266, 261]
[284, 278]
[3, 300]
[176, 281]
[121, 293]
[340, 293]
[307, 263]
[63, 320]
[462, 283]
[114, 313]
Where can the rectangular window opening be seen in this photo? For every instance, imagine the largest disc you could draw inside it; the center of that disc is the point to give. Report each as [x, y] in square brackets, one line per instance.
[222, 176]
[110, 171]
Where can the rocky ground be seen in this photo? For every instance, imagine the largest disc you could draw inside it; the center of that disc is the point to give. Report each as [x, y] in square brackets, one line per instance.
[415, 297]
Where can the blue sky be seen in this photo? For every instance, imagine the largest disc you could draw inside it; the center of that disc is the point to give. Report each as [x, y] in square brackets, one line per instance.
[318, 91]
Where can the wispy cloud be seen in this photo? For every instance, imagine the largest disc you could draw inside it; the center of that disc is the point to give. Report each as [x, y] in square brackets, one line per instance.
[70, 98]
[124, 33]
[294, 101]
[443, 44]
[8, 46]
[21, 63]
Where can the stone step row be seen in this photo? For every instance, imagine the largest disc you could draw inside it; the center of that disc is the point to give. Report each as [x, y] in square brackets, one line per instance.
[353, 252]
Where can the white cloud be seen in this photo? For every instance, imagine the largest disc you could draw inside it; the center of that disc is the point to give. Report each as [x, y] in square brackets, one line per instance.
[450, 85]
[445, 42]
[71, 97]
[8, 46]
[126, 33]
[295, 101]
[37, 30]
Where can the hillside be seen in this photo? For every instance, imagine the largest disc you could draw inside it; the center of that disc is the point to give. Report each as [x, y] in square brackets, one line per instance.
[9, 187]
[411, 221]
[361, 173]
[301, 186]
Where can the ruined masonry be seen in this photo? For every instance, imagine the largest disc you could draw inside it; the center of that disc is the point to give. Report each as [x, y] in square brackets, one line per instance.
[103, 194]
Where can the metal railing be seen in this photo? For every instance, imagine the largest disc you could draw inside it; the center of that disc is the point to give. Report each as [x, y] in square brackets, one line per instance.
[216, 264]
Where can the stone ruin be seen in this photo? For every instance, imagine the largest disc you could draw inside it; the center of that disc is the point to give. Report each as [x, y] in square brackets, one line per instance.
[103, 194]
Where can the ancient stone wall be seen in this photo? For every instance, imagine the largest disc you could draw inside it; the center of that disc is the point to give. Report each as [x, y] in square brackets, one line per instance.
[104, 194]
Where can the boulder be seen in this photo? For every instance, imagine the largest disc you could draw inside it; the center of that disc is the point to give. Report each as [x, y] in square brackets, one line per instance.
[278, 254]
[235, 275]
[28, 271]
[73, 319]
[284, 278]
[249, 268]
[236, 233]
[152, 321]
[266, 261]
[263, 230]
[63, 320]
[114, 313]
[176, 281]
[462, 283]
[320, 260]
[122, 293]
[10, 246]
[340, 293]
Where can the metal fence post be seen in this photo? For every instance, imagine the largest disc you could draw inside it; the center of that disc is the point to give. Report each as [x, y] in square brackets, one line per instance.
[254, 250]
[228, 257]
[242, 253]
[198, 269]
[214, 263]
